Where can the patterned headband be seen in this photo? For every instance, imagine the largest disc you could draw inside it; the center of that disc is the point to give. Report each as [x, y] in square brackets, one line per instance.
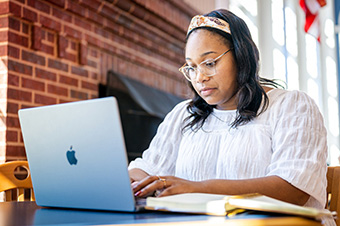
[202, 21]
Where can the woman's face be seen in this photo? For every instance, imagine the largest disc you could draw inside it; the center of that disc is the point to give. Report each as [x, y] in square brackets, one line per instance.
[221, 88]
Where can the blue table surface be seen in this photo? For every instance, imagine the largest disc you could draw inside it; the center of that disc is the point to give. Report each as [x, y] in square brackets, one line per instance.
[28, 213]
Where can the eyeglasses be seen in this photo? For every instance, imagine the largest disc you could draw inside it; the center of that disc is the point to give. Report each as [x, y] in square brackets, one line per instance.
[207, 68]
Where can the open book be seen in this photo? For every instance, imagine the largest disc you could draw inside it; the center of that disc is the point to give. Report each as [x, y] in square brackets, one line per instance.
[221, 205]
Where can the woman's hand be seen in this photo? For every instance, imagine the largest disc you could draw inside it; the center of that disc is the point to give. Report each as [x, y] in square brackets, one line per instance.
[137, 175]
[167, 185]
[272, 186]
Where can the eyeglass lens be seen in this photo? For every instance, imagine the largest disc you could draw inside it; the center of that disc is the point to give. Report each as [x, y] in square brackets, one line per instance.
[207, 69]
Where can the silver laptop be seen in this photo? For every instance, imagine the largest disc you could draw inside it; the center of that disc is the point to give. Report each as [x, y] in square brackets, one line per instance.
[77, 156]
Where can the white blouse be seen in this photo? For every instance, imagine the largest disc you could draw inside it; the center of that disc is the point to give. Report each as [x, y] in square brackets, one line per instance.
[287, 140]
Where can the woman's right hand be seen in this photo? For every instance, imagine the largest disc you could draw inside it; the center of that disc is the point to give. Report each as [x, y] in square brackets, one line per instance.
[137, 175]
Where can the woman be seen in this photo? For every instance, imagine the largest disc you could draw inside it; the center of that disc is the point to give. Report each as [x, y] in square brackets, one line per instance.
[239, 134]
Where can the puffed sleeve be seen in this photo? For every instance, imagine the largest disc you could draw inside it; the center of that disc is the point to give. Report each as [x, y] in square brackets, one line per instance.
[160, 157]
[299, 143]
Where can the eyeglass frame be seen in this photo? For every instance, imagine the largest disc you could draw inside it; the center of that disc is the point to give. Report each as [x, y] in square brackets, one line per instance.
[198, 69]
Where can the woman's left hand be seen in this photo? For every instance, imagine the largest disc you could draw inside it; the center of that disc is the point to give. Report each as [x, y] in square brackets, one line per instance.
[167, 185]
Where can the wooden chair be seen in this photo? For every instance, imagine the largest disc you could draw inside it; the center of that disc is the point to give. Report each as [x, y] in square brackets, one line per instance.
[15, 181]
[333, 190]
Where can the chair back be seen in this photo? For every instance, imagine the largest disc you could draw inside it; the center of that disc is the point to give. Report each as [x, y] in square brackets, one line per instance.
[15, 181]
[333, 190]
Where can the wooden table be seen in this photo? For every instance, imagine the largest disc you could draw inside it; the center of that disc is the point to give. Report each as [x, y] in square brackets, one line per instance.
[28, 213]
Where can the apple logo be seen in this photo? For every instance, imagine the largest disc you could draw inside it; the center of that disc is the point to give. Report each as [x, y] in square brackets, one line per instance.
[70, 154]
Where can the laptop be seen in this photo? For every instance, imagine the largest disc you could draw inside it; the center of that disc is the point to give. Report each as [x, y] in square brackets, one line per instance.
[77, 156]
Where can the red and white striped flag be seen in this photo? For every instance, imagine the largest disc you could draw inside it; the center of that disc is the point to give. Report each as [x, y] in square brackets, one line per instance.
[311, 9]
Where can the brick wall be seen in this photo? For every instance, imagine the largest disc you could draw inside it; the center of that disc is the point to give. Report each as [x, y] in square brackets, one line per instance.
[56, 51]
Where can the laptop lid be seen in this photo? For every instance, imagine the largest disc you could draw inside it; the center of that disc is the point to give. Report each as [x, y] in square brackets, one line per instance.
[77, 156]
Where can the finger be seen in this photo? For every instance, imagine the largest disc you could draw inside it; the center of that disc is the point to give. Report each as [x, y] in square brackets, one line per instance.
[134, 183]
[150, 189]
[141, 184]
[169, 191]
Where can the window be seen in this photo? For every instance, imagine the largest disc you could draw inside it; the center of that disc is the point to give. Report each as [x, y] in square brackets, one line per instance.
[296, 58]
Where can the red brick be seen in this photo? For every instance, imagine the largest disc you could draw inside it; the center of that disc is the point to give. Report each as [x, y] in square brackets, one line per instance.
[49, 23]
[56, 64]
[92, 63]
[15, 94]
[127, 22]
[76, 8]
[139, 12]
[89, 85]
[92, 40]
[62, 101]
[94, 4]
[62, 46]
[43, 33]
[15, 151]
[79, 95]
[71, 57]
[15, 9]
[132, 36]
[4, 7]
[93, 75]
[115, 50]
[108, 12]
[45, 100]
[39, 5]
[32, 84]
[60, 3]
[40, 73]
[63, 15]
[94, 53]
[36, 37]
[73, 45]
[17, 39]
[23, 106]
[57, 90]
[117, 39]
[14, 24]
[113, 26]
[94, 96]
[68, 80]
[124, 4]
[3, 36]
[100, 31]
[11, 136]
[3, 21]
[13, 52]
[13, 80]
[95, 17]
[3, 50]
[83, 24]
[25, 28]
[19, 67]
[47, 49]
[21, 140]
[33, 58]
[72, 32]
[82, 54]
[79, 71]
[50, 37]
[30, 15]
[12, 107]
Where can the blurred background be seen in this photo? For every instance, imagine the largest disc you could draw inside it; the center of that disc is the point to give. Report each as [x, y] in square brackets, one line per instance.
[57, 51]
